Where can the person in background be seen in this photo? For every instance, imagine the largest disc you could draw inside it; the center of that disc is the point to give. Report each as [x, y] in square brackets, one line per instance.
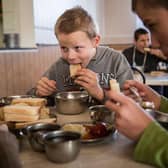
[9, 151]
[79, 43]
[142, 55]
[131, 120]
[145, 58]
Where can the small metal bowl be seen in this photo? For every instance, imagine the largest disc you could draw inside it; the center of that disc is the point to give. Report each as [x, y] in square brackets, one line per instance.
[73, 102]
[61, 146]
[161, 117]
[34, 132]
[101, 114]
[7, 100]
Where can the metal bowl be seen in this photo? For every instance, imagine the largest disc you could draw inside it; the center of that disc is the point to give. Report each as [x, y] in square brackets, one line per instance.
[34, 132]
[61, 146]
[161, 117]
[73, 102]
[101, 114]
[7, 100]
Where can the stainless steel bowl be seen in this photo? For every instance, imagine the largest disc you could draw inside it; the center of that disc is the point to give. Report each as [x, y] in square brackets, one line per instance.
[73, 102]
[161, 117]
[61, 146]
[102, 114]
[34, 132]
[7, 100]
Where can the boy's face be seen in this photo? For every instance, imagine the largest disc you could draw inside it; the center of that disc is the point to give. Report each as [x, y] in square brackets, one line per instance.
[142, 42]
[77, 47]
[155, 19]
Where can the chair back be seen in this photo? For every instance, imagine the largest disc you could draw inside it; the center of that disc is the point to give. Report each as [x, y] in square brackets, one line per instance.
[138, 75]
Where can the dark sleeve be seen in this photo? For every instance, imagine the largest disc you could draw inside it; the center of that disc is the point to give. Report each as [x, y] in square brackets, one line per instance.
[9, 153]
[128, 54]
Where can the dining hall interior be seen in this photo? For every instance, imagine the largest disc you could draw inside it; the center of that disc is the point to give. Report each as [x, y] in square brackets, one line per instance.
[28, 47]
[30, 25]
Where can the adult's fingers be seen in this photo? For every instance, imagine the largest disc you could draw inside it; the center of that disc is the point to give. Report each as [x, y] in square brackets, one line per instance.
[116, 97]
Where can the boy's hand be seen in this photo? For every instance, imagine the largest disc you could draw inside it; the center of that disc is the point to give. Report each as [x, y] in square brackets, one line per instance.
[45, 87]
[89, 80]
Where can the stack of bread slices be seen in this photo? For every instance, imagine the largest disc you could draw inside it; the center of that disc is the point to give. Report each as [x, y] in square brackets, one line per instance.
[24, 109]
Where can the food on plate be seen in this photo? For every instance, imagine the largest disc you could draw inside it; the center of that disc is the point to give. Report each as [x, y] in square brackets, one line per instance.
[88, 131]
[21, 113]
[44, 113]
[157, 73]
[95, 131]
[30, 101]
[76, 128]
[73, 69]
[147, 49]
[114, 85]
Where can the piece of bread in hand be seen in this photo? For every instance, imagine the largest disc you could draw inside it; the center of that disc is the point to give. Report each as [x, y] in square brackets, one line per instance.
[73, 68]
[147, 49]
[30, 101]
[114, 85]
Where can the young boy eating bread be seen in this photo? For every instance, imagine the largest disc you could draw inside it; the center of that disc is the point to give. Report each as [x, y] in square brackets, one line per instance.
[79, 40]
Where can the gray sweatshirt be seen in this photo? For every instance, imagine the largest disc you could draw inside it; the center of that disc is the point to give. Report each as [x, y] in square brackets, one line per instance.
[107, 63]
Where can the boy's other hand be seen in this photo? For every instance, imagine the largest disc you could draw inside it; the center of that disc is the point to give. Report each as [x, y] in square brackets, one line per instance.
[45, 87]
[89, 80]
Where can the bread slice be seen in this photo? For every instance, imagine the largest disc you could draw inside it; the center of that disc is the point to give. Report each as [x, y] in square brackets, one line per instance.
[79, 128]
[147, 49]
[21, 117]
[114, 85]
[21, 113]
[30, 101]
[73, 69]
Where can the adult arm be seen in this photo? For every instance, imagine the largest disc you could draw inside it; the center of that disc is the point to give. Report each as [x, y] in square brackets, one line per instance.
[152, 148]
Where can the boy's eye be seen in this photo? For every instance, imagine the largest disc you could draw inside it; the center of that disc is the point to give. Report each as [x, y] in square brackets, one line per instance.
[64, 49]
[77, 48]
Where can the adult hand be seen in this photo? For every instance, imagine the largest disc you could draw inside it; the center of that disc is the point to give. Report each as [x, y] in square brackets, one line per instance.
[130, 118]
[147, 93]
[45, 87]
[89, 80]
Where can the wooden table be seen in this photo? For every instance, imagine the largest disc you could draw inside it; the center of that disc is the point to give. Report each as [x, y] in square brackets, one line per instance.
[116, 151]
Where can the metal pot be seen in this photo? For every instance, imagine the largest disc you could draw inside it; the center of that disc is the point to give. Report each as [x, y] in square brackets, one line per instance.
[160, 117]
[73, 102]
[34, 131]
[102, 114]
[11, 40]
[61, 146]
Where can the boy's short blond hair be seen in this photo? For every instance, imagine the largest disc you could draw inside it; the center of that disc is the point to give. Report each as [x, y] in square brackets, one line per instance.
[76, 19]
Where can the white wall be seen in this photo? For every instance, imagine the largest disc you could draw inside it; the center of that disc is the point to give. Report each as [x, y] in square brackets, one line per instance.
[18, 18]
[120, 22]
[114, 17]
[46, 13]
